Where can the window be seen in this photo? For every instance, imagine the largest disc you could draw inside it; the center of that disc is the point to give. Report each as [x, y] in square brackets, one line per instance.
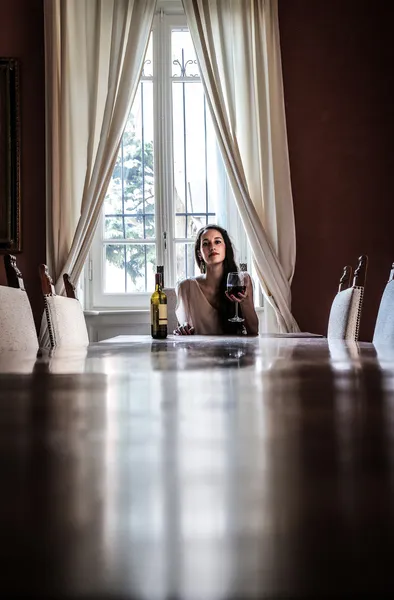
[169, 179]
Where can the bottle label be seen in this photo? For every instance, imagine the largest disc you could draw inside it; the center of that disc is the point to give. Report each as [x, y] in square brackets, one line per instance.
[162, 314]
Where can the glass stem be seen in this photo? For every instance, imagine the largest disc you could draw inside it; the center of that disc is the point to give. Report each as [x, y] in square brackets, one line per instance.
[236, 310]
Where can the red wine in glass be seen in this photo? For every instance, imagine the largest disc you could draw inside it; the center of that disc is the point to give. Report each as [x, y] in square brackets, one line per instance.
[236, 284]
[236, 289]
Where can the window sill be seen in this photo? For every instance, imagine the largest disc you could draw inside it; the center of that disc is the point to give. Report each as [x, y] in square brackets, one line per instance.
[104, 324]
[132, 312]
[113, 311]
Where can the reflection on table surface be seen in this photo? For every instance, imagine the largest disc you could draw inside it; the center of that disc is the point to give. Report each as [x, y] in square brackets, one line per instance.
[198, 468]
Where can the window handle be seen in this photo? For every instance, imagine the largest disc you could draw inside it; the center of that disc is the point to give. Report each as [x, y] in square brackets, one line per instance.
[165, 240]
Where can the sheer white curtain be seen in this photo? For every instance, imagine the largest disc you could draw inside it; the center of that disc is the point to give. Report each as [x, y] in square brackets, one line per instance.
[94, 52]
[237, 46]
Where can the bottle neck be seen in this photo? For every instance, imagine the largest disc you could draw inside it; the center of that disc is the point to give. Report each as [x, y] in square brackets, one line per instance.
[160, 271]
[157, 282]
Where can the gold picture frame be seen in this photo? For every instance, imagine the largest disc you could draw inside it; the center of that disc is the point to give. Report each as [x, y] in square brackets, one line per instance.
[10, 193]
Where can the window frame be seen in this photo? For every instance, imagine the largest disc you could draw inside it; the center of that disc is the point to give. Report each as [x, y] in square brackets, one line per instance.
[94, 296]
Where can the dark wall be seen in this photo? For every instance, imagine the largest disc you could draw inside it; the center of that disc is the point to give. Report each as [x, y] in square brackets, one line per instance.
[22, 36]
[338, 79]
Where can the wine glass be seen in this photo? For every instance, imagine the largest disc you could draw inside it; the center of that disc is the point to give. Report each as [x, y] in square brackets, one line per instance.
[236, 284]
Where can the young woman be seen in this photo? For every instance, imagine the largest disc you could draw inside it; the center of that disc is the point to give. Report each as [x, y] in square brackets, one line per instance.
[204, 306]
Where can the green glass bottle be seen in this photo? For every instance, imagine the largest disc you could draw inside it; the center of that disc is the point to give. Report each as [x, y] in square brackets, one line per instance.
[158, 311]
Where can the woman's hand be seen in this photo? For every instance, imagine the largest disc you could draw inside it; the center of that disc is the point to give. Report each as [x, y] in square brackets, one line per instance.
[185, 329]
[242, 297]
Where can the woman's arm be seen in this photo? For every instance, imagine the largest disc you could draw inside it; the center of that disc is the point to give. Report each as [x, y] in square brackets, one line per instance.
[182, 310]
[249, 314]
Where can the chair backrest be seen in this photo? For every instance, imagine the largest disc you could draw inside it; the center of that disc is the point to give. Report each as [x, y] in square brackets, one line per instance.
[171, 306]
[13, 274]
[47, 286]
[384, 326]
[64, 316]
[346, 276]
[17, 328]
[360, 273]
[345, 313]
[70, 287]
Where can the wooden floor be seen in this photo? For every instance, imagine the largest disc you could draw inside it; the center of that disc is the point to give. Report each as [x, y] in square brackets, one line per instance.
[201, 468]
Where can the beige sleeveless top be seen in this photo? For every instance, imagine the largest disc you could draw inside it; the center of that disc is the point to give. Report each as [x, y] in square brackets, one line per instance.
[193, 308]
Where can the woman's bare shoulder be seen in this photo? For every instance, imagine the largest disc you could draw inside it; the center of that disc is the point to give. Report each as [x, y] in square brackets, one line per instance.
[189, 280]
[184, 284]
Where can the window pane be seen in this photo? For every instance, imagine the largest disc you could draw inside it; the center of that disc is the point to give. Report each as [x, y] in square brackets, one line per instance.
[114, 272]
[113, 228]
[138, 178]
[185, 262]
[180, 183]
[140, 227]
[216, 171]
[134, 227]
[195, 156]
[113, 199]
[194, 201]
[131, 190]
[150, 230]
[190, 147]
[129, 268]
[184, 62]
[194, 223]
[141, 267]
[180, 226]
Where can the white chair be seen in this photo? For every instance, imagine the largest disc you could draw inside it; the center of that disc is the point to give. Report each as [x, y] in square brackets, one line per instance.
[384, 326]
[17, 328]
[64, 316]
[171, 306]
[345, 313]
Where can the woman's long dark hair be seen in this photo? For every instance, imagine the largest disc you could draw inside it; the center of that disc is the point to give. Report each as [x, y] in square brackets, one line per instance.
[227, 308]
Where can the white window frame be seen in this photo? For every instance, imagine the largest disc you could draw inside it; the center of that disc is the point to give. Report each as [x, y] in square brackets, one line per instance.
[94, 297]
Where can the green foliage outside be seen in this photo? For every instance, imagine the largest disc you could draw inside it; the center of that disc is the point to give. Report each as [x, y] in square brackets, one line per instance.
[125, 216]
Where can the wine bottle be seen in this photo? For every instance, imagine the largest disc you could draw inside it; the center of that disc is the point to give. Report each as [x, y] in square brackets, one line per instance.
[158, 311]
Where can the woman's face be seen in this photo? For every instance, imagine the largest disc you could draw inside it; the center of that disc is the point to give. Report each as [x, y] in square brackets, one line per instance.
[212, 247]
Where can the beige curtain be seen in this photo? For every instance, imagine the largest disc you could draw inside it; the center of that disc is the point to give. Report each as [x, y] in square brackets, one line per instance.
[94, 52]
[237, 46]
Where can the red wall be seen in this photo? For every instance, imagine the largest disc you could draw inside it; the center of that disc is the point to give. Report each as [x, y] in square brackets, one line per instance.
[22, 36]
[338, 78]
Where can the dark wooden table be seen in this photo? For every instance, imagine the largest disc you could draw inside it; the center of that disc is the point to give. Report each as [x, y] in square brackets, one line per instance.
[201, 468]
